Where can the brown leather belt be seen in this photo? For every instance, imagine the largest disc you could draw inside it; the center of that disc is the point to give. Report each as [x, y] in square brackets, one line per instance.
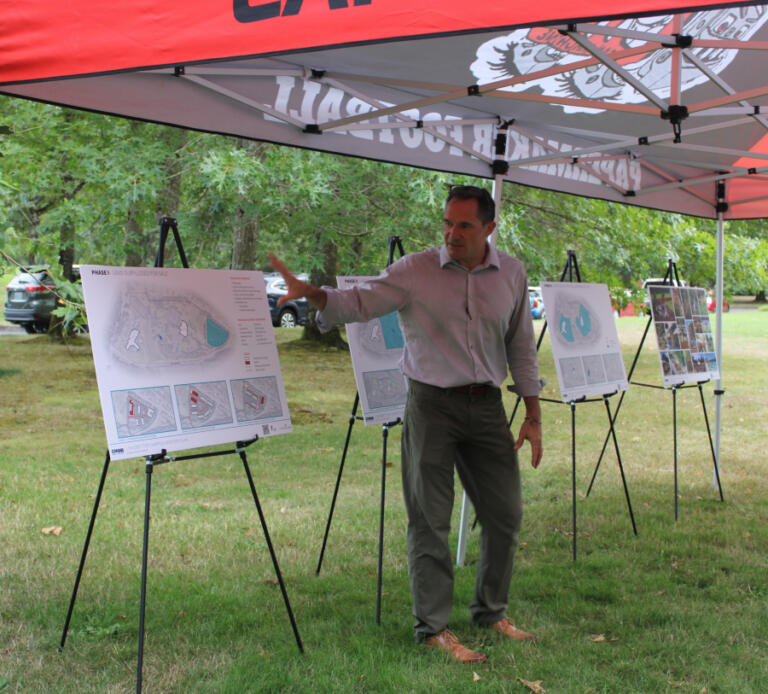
[473, 389]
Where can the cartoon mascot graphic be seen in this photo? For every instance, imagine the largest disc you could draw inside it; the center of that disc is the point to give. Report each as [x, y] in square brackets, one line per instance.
[528, 51]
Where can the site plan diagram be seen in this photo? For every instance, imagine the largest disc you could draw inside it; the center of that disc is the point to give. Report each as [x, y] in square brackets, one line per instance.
[184, 358]
[585, 344]
[376, 348]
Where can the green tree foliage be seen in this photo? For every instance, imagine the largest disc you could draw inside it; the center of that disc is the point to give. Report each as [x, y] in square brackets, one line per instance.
[622, 245]
[86, 188]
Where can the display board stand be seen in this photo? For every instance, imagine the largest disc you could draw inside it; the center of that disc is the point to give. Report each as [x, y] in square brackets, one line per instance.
[167, 224]
[672, 278]
[394, 243]
[571, 273]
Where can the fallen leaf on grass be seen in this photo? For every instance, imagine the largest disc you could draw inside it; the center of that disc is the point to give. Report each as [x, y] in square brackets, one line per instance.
[53, 530]
[475, 677]
[533, 686]
[661, 592]
[273, 581]
[601, 638]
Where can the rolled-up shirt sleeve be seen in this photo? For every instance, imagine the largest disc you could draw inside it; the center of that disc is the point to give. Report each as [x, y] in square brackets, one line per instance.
[387, 293]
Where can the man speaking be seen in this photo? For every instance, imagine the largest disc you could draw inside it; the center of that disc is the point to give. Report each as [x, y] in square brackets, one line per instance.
[465, 317]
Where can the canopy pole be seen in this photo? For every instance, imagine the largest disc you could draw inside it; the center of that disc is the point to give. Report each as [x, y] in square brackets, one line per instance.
[719, 328]
[498, 182]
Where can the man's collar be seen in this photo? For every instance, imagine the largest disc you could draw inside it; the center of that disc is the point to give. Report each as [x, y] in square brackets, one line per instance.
[491, 259]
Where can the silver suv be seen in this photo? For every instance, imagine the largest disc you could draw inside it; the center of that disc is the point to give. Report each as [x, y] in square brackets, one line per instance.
[29, 299]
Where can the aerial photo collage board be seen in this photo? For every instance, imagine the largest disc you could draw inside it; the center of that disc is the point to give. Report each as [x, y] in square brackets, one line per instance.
[683, 334]
[184, 358]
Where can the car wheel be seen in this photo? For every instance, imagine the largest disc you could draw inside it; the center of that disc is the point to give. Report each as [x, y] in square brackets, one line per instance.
[29, 327]
[287, 319]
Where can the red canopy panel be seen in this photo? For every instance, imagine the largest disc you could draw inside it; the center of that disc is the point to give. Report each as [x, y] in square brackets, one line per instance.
[43, 39]
[666, 111]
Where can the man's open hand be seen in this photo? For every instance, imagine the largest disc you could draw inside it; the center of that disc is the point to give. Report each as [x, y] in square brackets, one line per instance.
[531, 430]
[296, 288]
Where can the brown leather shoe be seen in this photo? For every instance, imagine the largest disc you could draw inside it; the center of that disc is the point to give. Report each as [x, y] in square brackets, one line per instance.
[446, 641]
[505, 627]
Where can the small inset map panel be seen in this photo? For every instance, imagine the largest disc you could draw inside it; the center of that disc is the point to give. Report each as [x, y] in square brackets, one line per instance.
[142, 411]
[593, 368]
[385, 388]
[256, 398]
[572, 372]
[614, 366]
[203, 404]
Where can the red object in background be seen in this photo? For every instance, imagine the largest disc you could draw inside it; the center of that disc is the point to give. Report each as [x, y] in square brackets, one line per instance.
[712, 304]
[628, 310]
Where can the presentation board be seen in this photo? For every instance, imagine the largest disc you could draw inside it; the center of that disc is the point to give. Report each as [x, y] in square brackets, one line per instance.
[585, 344]
[683, 334]
[184, 358]
[376, 348]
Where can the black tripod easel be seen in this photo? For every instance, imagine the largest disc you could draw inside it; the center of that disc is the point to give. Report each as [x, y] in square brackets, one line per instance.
[672, 278]
[394, 242]
[151, 461]
[571, 273]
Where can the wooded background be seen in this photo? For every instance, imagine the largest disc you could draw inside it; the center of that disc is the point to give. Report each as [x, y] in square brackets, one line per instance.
[77, 187]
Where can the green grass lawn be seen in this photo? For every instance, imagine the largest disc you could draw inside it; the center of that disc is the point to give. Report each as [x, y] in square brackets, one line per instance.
[682, 607]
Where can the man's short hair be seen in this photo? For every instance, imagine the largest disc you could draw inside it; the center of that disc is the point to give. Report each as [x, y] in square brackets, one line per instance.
[486, 208]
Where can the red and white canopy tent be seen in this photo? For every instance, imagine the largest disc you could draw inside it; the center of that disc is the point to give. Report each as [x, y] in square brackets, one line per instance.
[657, 104]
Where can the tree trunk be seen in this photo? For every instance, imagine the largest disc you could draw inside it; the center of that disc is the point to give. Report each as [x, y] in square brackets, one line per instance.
[168, 197]
[245, 234]
[67, 249]
[245, 237]
[137, 246]
[320, 276]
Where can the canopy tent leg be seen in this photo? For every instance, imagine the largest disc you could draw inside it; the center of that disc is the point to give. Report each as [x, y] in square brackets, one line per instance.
[719, 344]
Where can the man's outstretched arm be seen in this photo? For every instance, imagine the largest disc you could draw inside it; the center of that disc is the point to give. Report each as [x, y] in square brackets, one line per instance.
[297, 288]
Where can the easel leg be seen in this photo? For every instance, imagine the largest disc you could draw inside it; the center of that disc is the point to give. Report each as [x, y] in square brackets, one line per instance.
[715, 461]
[144, 557]
[384, 436]
[674, 443]
[352, 418]
[573, 474]
[605, 444]
[621, 466]
[85, 550]
[271, 550]
[621, 400]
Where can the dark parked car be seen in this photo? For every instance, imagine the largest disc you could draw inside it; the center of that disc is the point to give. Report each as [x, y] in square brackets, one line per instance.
[290, 314]
[29, 300]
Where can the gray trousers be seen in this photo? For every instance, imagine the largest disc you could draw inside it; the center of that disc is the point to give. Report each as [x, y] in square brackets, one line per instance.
[442, 428]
